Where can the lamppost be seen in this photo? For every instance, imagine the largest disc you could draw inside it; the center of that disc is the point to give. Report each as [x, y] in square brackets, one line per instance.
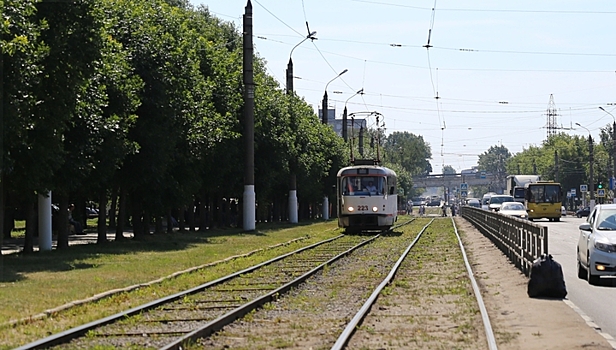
[324, 107]
[613, 177]
[344, 116]
[293, 217]
[591, 185]
[310, 36]
[324, 120]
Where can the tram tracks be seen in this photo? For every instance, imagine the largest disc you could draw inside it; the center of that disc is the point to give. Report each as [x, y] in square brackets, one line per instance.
[428, 303]
[173, 320]
[319, 313]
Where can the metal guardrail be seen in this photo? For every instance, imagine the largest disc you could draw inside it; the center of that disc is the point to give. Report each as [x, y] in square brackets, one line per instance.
[520, 240]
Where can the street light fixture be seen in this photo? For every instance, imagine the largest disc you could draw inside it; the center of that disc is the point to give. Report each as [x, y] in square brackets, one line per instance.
[344, 116]
[613, 175]
[310, 36]
[324, 107]
[590, 172]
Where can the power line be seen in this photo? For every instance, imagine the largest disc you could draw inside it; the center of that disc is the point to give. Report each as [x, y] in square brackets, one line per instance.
[487, 10]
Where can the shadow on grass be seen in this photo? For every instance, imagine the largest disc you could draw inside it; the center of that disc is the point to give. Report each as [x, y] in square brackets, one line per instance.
[14, 266]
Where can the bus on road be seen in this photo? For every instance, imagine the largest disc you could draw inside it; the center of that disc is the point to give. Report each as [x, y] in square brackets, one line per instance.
[543, 200]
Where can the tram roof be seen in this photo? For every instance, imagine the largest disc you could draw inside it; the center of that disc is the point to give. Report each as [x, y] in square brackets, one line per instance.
[366, 170]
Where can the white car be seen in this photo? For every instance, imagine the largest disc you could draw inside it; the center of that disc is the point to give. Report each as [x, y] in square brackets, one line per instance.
[495, 201]
[563, 211]
[596, 249]
[515, 209]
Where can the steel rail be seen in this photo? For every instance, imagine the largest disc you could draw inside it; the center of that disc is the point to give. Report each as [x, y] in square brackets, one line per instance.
[70, 334]
[233, 315]
[350, 328]
[482, 307]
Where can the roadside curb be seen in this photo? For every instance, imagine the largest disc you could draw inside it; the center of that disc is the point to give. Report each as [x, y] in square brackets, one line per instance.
[591, 323]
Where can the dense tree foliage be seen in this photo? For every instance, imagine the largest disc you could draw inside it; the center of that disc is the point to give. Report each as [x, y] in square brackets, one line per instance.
[137, 106]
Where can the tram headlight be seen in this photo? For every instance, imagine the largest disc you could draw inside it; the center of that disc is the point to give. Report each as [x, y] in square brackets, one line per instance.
[351, 209]
[375, 209]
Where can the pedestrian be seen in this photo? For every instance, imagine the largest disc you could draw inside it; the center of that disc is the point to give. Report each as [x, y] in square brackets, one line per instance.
[76, 224]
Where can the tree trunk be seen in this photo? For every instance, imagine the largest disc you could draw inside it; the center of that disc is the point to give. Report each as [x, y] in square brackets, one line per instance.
[121, 215]
[181, 221]
[63, 225]
[1, 212]
[210, 211]
[169, 221]
[102, 217]
[136, 212]
[191, 216]
[203, 212]
[112, 209]
[31, 226]
[147, 220]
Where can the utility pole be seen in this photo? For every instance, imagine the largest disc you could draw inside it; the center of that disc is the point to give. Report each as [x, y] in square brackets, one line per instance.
[556, 166]
[591, 173]
[249, 121]
[293, 215]
[613, 175]
[361, 140]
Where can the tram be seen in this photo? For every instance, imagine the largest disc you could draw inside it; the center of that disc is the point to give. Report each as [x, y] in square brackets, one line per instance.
[367, 196]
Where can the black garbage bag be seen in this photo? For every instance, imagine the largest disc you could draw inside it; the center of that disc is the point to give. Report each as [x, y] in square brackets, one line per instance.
[546, 279]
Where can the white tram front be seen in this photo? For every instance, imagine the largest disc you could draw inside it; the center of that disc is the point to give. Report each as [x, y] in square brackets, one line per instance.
[367, 197]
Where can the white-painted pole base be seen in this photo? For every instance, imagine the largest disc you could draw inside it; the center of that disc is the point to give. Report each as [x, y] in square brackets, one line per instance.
[293, 206]
[249, 208]
[592, 204]
[325, 208]
[44, 218]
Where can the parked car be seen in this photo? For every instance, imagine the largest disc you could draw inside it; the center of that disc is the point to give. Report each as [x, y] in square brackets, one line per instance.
[596, 248]
[582, 212]
[92, 212]
[515, 209]
[495, 201]
[473, 202]
[563, 211]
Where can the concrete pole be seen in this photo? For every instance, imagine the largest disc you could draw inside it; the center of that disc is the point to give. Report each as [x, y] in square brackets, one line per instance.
[614, 161]
[44, 221]
[345, 136]
[556, 166]
[249, 201]
[591, 173]
[293, 214]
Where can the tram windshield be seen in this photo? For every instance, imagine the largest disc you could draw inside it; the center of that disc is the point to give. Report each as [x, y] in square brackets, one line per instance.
[362, 185]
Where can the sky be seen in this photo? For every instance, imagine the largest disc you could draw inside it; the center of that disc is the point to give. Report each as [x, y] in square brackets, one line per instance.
[465, 75]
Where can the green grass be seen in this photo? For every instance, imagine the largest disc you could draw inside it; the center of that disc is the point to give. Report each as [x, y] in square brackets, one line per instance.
[31, 284]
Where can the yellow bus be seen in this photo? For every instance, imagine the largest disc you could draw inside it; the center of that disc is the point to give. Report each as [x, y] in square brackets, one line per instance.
[543, 200]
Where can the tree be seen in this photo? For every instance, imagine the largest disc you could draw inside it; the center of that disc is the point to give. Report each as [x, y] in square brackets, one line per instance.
[449, 170]
[410, 151]
[494, 159]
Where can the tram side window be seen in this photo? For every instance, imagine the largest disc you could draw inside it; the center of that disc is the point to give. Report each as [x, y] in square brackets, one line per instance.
[348, 186]
[392, 185]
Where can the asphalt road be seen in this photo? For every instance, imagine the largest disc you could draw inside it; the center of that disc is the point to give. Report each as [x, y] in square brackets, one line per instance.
[597, 302]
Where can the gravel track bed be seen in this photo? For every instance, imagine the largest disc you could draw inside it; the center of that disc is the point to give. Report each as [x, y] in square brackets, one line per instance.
[313, 315]
[157, 327]
[430, 304]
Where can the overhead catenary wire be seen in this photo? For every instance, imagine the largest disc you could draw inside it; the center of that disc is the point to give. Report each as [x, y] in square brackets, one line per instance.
[489, 10]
